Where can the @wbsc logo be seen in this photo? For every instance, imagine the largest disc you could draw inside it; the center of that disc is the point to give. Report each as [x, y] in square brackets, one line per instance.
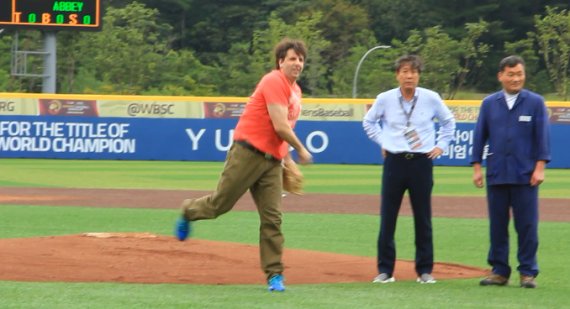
[149, 109]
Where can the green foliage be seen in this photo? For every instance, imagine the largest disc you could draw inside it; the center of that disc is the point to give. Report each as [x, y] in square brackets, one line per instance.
[131, 55]
[473, 54]
[441, 56]
[134, 45]
[396, 19]
[181, 73]
[553, 35]
[447, 61]
[313, 77]
[240, 71]
[4, 62]
[30, 64]
[200, 47]
[344, 25]
[375, 75]
[306, 29]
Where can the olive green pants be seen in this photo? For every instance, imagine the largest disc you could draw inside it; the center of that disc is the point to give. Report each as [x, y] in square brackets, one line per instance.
[243, 170]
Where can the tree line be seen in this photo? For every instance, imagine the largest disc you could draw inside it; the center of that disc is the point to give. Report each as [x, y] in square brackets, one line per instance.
[206, 48]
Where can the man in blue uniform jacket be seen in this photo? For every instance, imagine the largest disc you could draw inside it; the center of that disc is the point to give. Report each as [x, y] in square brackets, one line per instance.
[514, 124]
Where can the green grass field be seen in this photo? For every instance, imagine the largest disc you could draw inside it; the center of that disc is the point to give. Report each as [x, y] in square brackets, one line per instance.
[462, 241]
[173, 175]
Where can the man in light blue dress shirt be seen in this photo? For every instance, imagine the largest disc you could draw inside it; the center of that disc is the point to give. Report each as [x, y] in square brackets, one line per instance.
[402, 122]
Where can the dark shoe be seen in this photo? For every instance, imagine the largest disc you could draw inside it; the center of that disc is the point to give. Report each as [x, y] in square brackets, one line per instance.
[275, 283]
[528, 282]
[494, 279]
[182, 228]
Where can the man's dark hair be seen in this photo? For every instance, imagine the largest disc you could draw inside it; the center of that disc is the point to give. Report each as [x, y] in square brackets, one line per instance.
[286, 44]
[510, 62]
[413, 60]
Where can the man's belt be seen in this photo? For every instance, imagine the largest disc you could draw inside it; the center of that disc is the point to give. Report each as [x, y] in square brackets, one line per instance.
[249, 146]
[408, 155]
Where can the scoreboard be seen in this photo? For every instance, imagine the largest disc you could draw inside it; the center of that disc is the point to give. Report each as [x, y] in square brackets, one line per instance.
[51, 14]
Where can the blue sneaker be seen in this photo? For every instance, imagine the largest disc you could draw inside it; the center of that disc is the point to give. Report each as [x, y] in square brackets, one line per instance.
[275, 283]
[182, 228]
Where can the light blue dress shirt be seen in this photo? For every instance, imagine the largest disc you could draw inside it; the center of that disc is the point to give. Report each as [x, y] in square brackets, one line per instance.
[386, 121]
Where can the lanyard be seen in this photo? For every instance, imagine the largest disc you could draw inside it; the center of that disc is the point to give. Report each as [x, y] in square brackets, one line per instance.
[408, 114]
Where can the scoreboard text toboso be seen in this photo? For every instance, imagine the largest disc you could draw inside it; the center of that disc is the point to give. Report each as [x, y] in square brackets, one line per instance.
[51, 14]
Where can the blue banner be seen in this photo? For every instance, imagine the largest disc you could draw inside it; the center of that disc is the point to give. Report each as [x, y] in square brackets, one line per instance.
[207, 140]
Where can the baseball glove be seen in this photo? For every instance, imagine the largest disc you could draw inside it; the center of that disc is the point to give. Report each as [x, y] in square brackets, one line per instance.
[292, 179]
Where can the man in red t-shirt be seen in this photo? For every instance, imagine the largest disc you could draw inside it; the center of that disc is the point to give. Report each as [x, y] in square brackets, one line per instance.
[254, 162]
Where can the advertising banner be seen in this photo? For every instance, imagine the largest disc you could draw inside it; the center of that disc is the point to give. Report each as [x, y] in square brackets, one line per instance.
[201, 128]
[149, 109]
[465, 113]
[56, 107]
[332, 112]
[18, 106]
[223, 109]
[559, 115]
[205, 140]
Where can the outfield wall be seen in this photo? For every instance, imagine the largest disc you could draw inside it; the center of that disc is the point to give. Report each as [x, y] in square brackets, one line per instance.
[201, 128]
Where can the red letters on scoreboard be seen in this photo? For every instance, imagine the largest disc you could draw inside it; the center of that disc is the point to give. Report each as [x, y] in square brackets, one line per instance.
[46, 18]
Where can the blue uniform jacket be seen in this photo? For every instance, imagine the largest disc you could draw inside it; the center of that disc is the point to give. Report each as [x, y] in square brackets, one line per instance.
[517, 138]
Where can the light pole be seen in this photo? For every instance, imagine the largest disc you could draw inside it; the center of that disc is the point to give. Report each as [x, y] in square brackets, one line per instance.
[360, 62]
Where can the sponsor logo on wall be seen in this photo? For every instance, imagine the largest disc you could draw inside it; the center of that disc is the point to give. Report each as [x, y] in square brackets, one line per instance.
[7, 106]
[150, 109]
[560, 115]
[18, 106]
[50, 107]
[332, 111]
[223, 109]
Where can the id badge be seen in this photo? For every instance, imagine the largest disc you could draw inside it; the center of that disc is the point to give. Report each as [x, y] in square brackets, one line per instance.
[412, 138]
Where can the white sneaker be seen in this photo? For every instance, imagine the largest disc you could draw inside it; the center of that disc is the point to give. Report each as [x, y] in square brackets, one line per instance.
[383, 278]
[426, 278]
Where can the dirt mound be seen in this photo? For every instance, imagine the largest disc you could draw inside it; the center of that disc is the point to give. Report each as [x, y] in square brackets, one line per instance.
[149, 258]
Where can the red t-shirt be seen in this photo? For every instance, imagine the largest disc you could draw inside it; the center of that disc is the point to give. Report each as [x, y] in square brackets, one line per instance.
[255, 126]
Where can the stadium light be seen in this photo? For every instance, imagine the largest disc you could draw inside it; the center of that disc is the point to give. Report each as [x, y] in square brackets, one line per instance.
[360, 63]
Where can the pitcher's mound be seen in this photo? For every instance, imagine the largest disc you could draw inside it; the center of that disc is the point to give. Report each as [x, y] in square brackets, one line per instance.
[149, 258]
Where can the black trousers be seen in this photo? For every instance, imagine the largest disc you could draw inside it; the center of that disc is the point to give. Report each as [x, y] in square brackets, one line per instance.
[414, 173]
